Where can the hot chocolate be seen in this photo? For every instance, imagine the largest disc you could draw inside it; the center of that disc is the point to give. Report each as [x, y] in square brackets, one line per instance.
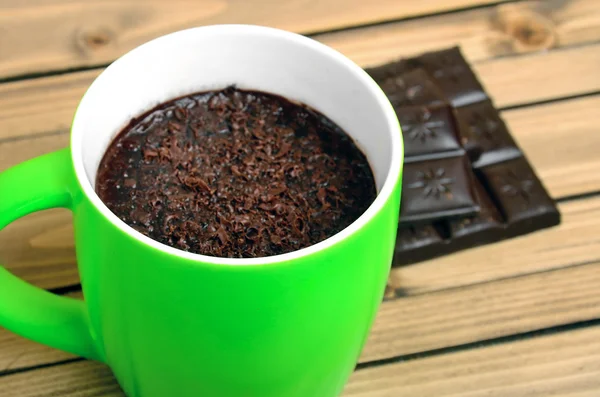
[235, 173]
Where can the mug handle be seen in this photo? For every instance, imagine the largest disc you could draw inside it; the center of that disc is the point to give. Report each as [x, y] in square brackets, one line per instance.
[42, 183]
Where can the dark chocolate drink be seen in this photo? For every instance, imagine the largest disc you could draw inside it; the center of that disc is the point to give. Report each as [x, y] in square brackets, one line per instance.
[235, 173]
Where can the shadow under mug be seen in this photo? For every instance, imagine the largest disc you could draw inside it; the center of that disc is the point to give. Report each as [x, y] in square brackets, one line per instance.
[173, 323]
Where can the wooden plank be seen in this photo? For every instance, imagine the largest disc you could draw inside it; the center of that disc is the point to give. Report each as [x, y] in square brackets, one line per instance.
[574, 241]
[47, 105]
[81, 379]
[41, 106]
[49, 35]
[483, 34]
[556, 138]
[417, 324]
[455, 317]
[568, 125]
[562, 364]
[17, 151]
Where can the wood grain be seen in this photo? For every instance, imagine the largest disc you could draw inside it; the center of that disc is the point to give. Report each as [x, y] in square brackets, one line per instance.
[556, 138]
[455, 317]
[44, 35]
[568, 125]
[562, 364]
[483, 34]
[42, 106]
[39, 248]
[68, 34]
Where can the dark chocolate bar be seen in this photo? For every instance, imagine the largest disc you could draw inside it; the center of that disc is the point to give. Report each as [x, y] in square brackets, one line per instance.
[493, 185]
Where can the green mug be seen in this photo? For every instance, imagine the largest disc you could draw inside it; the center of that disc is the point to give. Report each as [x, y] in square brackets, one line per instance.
[173, 323]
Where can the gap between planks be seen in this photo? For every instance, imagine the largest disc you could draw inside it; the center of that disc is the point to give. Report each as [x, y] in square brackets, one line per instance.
[564, 363]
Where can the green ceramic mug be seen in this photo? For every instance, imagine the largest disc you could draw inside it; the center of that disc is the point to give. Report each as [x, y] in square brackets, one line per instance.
[172, 323]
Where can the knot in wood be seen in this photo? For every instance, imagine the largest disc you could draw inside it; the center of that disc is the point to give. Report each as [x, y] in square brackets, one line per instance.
[526, 30]
[94, 39]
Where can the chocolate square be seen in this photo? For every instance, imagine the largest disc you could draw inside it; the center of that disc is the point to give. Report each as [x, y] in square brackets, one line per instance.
[389, 70]
[416, 243]
[483, 131]
[485, 227]
[428, 130]
[453, 75]
[520, 196]
[437, 189]
[411, 88]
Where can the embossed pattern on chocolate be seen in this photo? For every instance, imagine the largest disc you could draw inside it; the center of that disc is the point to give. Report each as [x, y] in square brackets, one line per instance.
[435, 189]
[522, 199]
[412, 88]
[428, 130]
[235, 173]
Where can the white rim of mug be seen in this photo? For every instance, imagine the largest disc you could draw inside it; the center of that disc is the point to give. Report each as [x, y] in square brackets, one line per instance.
[395, 168]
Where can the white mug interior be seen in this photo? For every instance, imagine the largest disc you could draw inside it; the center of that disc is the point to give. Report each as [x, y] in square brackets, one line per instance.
[249, 57]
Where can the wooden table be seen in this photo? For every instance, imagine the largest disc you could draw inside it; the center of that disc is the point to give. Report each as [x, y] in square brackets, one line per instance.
[518, 318]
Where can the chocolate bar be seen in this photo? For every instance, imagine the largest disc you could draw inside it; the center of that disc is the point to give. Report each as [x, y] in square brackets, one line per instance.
[466, 182]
